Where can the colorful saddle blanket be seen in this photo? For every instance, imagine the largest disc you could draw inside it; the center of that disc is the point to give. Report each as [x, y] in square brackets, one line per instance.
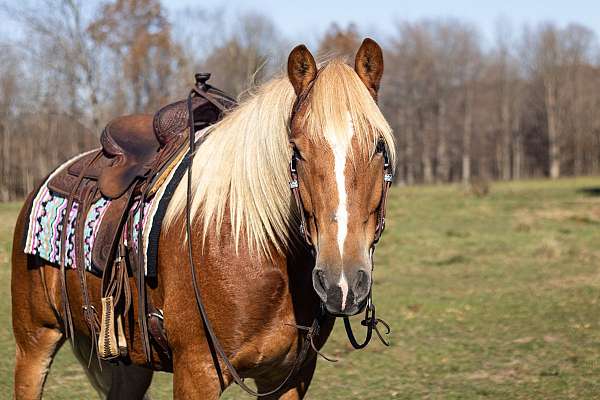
[48, 212]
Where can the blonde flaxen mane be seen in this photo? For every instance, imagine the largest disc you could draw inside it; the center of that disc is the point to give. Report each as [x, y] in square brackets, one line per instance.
[242, 167]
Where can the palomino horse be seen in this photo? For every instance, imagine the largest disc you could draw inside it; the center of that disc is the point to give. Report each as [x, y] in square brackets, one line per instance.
[260, 281]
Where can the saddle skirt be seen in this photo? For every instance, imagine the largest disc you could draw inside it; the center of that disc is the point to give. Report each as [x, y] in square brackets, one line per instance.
[47, 218]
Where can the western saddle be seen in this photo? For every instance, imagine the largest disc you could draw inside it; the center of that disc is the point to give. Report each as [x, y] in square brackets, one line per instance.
[136, 152]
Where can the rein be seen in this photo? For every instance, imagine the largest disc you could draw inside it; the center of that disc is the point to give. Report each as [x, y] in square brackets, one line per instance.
[311, 332]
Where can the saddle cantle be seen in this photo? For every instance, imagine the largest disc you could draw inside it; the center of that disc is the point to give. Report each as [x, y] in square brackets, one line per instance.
[132, 145]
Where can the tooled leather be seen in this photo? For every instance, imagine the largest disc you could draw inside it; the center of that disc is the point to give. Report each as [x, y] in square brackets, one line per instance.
[171, 121]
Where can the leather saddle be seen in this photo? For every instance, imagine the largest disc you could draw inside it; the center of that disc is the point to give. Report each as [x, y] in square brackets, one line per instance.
[135, 154]
[134, 150]
[134, 145]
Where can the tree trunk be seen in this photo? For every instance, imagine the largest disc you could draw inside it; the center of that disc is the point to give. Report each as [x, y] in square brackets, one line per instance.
[466, 139]
[427, 168]
[443, 167]
[517, 157]
[409, 153]
[578, 118]
[517, 148]
[506, 132]
[427, 145]
[5, 162]
[553, 135]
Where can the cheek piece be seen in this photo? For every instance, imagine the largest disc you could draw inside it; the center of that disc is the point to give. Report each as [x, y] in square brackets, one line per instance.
[370, 320]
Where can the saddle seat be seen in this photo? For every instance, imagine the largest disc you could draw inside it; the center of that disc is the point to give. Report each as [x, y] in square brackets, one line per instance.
[131, 143]
[134, 145]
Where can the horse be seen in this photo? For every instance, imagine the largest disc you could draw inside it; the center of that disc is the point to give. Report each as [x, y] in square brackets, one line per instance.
[262, 279]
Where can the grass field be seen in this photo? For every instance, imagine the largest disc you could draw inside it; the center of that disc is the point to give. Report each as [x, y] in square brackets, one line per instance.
[493, 297]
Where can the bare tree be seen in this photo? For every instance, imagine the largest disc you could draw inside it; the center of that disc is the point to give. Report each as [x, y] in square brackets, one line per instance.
[138, 34]
[246, 55]
[524, 107]
[340, 41]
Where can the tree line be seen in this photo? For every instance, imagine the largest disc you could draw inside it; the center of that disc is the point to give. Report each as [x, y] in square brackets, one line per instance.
[521, 105]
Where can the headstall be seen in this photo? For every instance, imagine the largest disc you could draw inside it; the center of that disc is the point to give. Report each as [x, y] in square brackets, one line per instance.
[370, 320]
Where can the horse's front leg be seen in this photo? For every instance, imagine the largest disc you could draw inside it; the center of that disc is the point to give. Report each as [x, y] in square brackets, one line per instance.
[297, 387]
[195, 376]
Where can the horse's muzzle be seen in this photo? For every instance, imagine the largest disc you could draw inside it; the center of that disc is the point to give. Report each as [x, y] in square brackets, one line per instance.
[343, 294]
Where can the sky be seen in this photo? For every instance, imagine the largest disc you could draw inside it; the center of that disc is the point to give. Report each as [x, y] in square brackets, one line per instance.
[307, 19]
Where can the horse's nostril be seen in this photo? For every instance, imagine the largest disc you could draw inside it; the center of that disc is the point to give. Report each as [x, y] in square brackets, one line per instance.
[322, 280]
[319, 282]
[362, 281]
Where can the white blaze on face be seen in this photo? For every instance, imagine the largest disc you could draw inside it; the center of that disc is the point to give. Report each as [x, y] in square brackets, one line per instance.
[340, 143]
[344, 288]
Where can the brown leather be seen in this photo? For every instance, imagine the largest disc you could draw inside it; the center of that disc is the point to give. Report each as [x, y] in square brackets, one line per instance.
[132, 145]
[109, 231]
[89, 171]
[130, 150]
[156, 328]
[129, 147]
[171, 122]
[135, 151]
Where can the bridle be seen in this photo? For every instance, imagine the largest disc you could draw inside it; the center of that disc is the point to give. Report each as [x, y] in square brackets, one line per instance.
[310, 332]
[370, 320]
[387, 182]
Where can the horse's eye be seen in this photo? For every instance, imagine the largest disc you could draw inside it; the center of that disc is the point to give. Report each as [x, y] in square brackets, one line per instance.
[296, 152]
[380, 146]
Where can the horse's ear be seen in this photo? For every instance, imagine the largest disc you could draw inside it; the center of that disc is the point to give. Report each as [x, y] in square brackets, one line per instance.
[369, 65]
[302, 68]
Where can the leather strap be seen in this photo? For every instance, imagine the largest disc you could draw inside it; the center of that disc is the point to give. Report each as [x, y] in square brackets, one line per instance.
[147, 313]
[89, 313]
[67, 317]
[202, 89]
[311, 331]
[295, 187]
[370, 321]
[141, 279]
[156, 328]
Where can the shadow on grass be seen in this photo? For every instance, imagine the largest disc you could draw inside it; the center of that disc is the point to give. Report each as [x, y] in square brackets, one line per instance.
[591, 191]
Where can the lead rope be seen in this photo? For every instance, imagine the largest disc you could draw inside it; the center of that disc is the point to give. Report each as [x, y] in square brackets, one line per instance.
[311, 331]
[370, 322]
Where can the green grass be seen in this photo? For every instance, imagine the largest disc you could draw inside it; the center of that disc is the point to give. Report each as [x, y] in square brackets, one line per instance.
[493, 297]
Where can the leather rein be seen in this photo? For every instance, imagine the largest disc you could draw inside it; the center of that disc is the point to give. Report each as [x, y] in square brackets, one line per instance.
[310, 332]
